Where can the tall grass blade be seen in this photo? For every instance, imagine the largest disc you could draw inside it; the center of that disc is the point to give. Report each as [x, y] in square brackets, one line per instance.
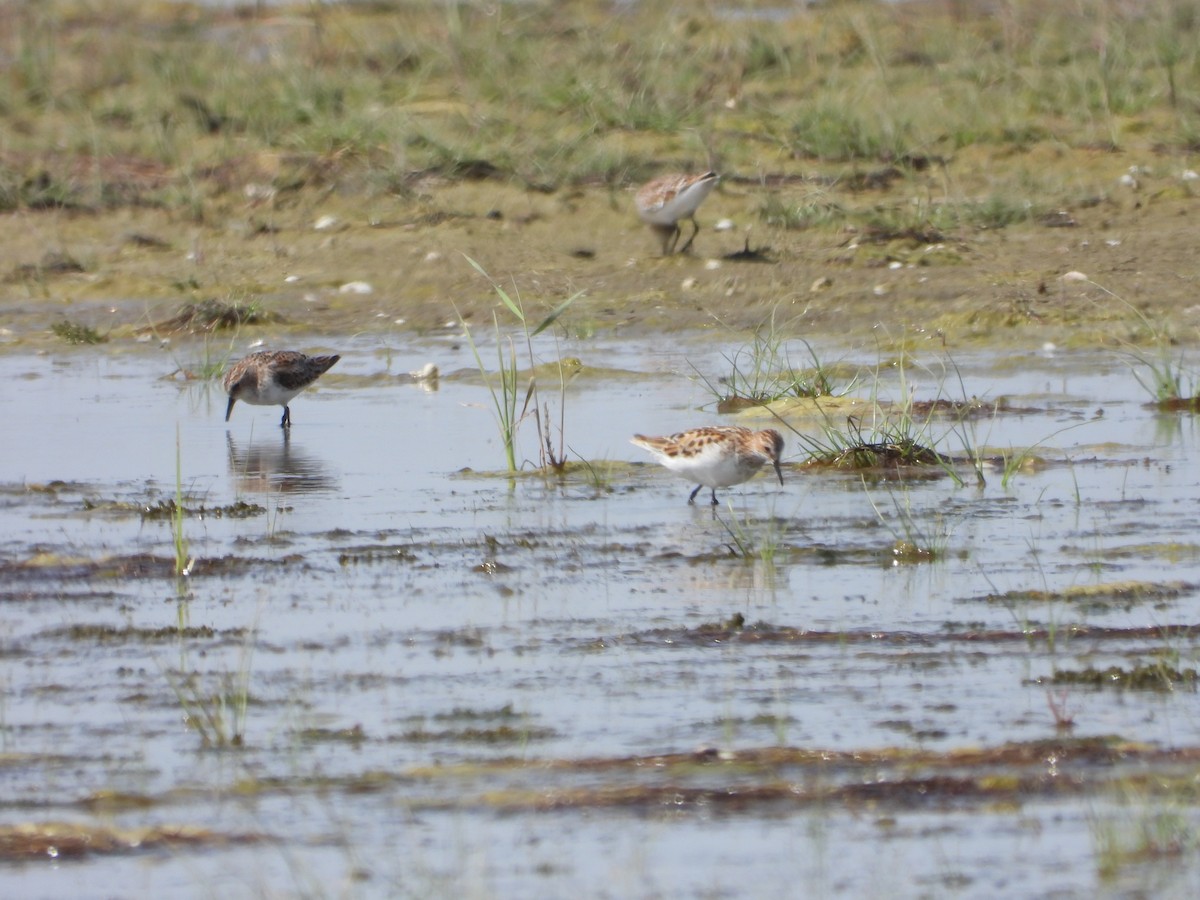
[555, 313]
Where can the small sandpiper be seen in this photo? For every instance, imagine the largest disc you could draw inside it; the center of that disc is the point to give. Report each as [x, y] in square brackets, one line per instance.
[273, 377]
[663, 202]
[717, 455]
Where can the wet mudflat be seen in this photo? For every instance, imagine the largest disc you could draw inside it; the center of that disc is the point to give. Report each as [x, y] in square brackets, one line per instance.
[392, 669]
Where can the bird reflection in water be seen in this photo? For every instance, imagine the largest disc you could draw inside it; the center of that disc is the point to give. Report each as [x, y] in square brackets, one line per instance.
[273, 466]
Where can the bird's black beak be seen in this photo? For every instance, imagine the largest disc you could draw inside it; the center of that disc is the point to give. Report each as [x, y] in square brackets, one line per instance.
[229, 409]
[778, 471]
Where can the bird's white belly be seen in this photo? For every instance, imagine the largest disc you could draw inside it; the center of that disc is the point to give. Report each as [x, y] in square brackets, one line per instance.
[711, 468]
[269, 394]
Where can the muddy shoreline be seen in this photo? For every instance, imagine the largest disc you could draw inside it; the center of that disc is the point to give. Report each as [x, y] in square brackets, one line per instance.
[325, 265]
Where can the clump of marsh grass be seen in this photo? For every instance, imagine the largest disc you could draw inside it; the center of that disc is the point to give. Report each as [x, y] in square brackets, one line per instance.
[901, 435]
[77, 333]
[762, 371]
[212, 315]
[891, 443]
[506, 392]
[1166, 377]
[813, 212]
[1162, 371]
[753, 539]
[210, 365]
[599, 475]
[913, 541]
[1144, 832]
[217, 715]
[1026, 460]
[183, 562]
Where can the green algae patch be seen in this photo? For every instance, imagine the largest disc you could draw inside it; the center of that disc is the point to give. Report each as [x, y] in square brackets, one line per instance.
[376, 553]
[51, 566]
[167, 510]
[792, 408]
[465, 714]
[1146, 677]
[500, 734]
[1120, 594]
[108, 634]
[353, 735]
[1171, 551]
[781, 778]
[736, 630]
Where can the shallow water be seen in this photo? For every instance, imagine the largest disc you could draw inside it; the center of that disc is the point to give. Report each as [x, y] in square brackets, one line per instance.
[461, 683]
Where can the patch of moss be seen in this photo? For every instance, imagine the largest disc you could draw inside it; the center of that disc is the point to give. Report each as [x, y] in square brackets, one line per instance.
[460, 714]
[501, 734]
[736, 622]
[165, 511]
[353, 735]
[1153, 677]
[375, 554]
[110, 634]
[1121, 594]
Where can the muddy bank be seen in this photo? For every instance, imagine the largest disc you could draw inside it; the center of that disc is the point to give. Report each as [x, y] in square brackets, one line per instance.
[399, 265]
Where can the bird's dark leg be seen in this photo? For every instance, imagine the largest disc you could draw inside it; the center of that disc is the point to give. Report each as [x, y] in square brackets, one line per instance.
[286, 421]
[695, 231]
[714, 500]
[671, 241]
[692, 498]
